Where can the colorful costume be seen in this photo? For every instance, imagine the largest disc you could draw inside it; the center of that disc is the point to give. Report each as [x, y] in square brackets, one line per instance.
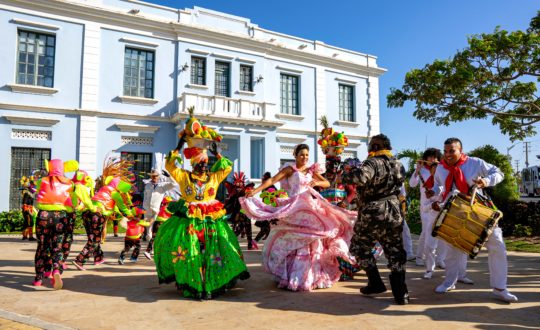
[162, 216]
[301, 250]
[105, 201]
[54, 203]
[269, 196]
[28, 191]
[196, 248]
[134, 230]
[241, 223]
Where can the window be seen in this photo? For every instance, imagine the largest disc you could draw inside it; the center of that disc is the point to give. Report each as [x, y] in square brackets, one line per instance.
[222, 79]
[35, 62]
[198, 70]
[346, 102]
[142, 165]
[289, 95]
[138, 73]
[257, 158]
[24, 161]
[246, 78]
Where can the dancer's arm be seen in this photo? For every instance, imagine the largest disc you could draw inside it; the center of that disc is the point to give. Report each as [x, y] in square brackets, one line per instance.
[283, 174]
[319, 181]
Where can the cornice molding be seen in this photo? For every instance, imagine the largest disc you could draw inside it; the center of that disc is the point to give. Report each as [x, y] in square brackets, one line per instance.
[81, 112]
[34, 24]
[286, 116]
[137, 128]
[32, 121]
[138, 42]
[346, 123]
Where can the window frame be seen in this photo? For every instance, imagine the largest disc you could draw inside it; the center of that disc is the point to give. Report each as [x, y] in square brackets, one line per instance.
[36, 55]
[243, 76]
[35, 157]
[196, 75]
[347, 112]
[260, 158]
[228, 78]
[284, 103]
[138, 78]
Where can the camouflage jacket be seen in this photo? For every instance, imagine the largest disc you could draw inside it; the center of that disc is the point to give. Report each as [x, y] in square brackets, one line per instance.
[377, 178]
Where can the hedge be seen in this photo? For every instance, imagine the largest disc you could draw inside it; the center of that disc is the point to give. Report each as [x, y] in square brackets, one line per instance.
[12, 221]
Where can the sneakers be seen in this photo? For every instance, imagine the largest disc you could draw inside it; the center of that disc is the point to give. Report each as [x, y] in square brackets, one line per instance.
[32, 239]
[36, 283]
[504, 295]
[121, 260]
[56, 280]
[427, 275]
[253, 246]
[97, 263]
[78, 265]
[419, 262]
[465, 280]
[147, 255]
[443, 288]
[115, 235]
[65, 266]
[47, 274]
[24, 238]
[411, 258]
[441, 264]
[132, 259]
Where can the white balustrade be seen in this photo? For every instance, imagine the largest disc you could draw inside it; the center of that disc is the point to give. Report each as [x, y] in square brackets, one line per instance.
[227, 107]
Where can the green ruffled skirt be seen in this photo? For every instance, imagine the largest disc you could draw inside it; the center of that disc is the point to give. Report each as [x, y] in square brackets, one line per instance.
[203, 257]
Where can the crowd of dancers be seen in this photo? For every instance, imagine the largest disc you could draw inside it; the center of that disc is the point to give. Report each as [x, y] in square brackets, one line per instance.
[323, 224]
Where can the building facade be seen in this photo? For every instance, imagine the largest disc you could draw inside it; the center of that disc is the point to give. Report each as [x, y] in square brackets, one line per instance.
[81, 79]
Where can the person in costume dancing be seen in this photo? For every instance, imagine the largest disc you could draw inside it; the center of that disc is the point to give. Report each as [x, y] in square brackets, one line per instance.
[378, 181]
[458, 171]
[54, 203]
[106, 200]
[28, 192]
[301, 251]
[265, 226]
[196, 248]
[241, 223]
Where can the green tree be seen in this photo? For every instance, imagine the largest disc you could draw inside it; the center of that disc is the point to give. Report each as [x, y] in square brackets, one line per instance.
[496, 76]
[412, 156]
[507, 189]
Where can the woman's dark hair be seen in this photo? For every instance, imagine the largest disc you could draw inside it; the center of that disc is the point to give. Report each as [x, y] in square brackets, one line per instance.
[299, 148]
[384, 141]
[432, 152]
[266, 175]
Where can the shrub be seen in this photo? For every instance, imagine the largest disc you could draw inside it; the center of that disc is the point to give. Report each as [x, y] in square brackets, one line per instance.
[413, 216]
[11, 221]
[517, 213]
[520, 230]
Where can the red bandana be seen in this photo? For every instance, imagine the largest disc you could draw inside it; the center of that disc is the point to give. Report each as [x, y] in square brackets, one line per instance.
[455, 175]
[430, 182]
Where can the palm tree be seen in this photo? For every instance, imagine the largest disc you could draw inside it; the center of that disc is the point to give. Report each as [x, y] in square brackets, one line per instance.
[412, 156]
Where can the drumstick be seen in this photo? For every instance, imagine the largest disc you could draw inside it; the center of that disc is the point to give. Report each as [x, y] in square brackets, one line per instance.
[473, 194]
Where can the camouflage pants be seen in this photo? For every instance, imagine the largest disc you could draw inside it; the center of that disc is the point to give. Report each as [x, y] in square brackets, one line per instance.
[379, 221]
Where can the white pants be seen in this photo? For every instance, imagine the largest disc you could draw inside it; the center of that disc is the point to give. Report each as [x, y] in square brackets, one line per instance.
[150, 216]
[497, 261]
[430, 248]
[407, 240]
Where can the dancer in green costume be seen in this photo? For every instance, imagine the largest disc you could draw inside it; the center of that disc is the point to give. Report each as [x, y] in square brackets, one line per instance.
[196, 248]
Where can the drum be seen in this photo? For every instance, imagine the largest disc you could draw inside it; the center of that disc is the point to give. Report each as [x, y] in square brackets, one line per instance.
[466, 225]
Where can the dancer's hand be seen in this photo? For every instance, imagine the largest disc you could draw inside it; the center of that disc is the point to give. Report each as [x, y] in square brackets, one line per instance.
[481, 183]
[429, 193]
[249, 193]
[435, 206]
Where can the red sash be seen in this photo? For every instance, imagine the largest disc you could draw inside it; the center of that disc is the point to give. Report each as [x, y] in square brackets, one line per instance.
[430, 182]
[455, 175]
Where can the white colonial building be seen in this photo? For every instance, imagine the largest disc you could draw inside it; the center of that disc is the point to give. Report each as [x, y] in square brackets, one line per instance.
[80, 79]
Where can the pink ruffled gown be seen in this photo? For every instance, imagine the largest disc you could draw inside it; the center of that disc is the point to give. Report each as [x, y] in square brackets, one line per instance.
[301, 250]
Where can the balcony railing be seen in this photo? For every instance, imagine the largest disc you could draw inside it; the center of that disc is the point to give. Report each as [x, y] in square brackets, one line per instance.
[227, 107]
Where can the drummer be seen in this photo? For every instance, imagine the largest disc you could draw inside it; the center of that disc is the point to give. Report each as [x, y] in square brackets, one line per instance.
[458, 171]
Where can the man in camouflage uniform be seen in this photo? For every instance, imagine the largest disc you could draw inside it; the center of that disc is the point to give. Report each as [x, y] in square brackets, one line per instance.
[378, 180]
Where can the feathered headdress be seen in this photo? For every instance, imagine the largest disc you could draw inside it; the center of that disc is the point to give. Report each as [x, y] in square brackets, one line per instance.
[117, 168]
[332, 143]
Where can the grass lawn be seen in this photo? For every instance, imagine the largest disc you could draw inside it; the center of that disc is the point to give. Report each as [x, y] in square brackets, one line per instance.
[523, 245]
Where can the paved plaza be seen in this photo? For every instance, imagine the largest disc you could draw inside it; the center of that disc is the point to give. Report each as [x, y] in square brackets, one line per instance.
[111, 296]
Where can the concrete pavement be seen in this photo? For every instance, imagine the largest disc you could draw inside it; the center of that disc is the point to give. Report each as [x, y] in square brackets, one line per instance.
[111, 296]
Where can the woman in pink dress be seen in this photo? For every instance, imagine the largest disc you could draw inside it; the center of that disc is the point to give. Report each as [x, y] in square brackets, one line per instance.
[301, 250]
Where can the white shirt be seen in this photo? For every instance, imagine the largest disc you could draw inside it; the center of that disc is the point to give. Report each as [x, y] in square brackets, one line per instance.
[154, 193]
[472, 169]
[425, 202]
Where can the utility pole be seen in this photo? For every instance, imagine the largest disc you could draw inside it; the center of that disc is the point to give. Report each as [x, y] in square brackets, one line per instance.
[517, 166]
[527, 149]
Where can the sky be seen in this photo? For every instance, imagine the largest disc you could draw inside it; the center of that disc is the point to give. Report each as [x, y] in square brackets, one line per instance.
[404, 35]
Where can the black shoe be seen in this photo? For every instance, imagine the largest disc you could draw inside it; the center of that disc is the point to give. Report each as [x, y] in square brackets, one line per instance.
[399, 287]
[24, 238]
[115, 235]
[32, 239]
[375, 283]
